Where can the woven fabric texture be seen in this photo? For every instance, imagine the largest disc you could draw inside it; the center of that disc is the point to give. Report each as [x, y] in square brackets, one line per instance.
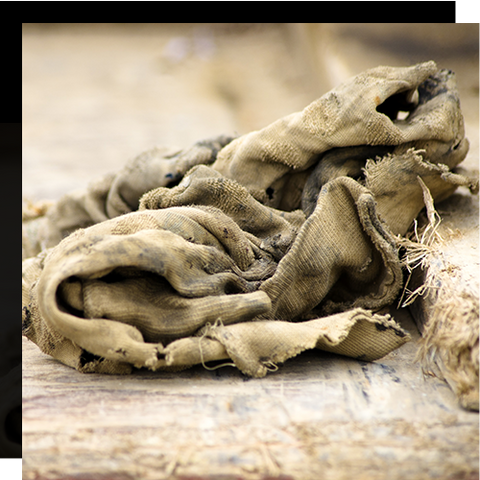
[252, 249]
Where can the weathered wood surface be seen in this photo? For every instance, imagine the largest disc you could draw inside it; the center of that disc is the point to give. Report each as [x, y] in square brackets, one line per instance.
[319, 416]
[450, 305]
[94, 97]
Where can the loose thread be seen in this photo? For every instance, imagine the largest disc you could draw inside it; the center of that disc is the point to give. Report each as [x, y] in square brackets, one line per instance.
[417, 251]
[208, 327]
[270, 366]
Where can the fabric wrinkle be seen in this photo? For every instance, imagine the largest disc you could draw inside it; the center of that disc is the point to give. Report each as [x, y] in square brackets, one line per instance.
[249, 250]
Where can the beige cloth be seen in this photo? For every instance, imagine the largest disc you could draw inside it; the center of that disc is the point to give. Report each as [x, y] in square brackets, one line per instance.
[225, 264]
[125, 289]
[350, 115]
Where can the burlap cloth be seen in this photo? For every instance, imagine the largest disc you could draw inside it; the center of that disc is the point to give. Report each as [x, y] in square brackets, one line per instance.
[252, 249]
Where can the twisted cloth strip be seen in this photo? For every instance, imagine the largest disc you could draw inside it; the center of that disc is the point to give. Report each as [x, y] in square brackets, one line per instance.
[252, 249]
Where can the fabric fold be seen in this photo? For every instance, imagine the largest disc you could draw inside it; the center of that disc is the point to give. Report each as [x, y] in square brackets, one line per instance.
[253, 249]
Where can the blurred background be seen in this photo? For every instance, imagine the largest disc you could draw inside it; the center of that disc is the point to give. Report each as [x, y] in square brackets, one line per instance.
[96, 95]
